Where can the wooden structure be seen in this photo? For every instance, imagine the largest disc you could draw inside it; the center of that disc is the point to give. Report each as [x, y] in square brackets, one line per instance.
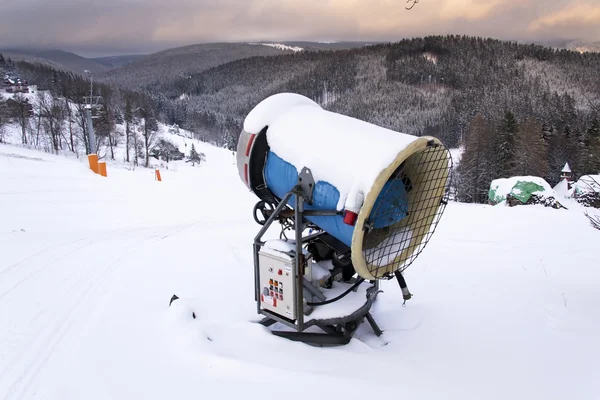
[15, 85]
[567, 174]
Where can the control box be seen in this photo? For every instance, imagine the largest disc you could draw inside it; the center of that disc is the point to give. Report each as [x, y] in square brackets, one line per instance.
[277, 284]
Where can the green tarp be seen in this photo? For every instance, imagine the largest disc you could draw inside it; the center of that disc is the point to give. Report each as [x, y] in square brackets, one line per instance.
[521, 190]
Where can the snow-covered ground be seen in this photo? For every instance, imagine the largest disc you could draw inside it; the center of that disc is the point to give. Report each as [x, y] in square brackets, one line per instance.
[456, 155]
[280, 46]
[505, 299]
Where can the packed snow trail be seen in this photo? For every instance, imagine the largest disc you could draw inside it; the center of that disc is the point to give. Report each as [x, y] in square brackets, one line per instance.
[505, 299]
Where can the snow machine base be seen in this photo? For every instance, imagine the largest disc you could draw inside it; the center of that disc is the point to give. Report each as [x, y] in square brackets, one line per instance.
[308, 284]
[335, 331]
[309, 281]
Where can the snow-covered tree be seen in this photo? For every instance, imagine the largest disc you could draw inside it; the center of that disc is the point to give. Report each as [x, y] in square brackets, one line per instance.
[128, 120]
[23, 111]
[149, 130]
[196, 157]
[167, 151]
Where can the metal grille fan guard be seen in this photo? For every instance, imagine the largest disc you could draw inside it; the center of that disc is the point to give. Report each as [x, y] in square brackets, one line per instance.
[426, 176]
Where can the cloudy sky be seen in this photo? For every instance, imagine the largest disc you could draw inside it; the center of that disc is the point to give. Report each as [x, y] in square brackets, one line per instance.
[102, 27]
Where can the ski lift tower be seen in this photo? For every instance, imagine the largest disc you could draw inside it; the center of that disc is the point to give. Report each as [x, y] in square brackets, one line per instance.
[92, 103]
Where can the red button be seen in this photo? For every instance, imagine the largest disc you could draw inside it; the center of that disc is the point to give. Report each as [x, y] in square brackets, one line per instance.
[280, 272]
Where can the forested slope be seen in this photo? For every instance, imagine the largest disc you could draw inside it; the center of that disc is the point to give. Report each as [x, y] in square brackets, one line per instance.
[433, 85]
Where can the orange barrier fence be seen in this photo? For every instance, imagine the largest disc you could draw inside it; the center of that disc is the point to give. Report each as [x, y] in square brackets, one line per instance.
[102, 168]
[93, 160]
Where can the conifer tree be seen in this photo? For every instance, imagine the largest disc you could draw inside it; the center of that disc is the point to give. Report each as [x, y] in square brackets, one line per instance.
[590, 151]
[505, 144]
[558, 155]
[195, 157]
[531, 152]
[476, 169]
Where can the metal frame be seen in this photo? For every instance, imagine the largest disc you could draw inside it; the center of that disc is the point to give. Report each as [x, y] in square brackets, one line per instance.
[337, 331]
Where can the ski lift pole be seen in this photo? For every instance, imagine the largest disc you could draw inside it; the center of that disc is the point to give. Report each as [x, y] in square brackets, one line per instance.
[90, 129]
[88, 114]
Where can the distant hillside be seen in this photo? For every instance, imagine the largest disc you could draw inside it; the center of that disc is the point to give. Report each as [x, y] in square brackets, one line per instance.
[159, 70]
[118, 61]
[575, 45]
[516, 109]
[432, 85]
[583, 46]
[329, 45]
[57, 59]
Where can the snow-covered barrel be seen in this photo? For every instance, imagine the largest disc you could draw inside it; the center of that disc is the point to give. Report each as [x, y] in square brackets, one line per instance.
[390, 188]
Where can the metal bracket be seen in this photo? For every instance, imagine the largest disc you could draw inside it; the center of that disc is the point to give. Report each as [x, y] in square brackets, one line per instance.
[307, 183]
[313, 290]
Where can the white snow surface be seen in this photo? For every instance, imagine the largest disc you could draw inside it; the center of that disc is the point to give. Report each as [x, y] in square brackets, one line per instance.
[280, 248]
[562, 189]
[88, 265]
[350, 304]
[456, 155]
[385, 252]
[269, 109]
[343, 151]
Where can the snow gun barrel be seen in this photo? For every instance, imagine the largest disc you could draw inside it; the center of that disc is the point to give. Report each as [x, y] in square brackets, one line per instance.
[378, 192]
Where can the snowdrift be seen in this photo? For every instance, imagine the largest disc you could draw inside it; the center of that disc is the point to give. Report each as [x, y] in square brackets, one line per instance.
[387, 187]
[587, 190]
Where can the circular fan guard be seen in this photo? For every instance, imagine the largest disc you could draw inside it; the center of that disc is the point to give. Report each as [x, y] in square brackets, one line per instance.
[426, 178]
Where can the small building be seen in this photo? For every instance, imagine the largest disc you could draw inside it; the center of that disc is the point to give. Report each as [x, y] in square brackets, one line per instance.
[14, 84]
[567, 174]
[12, 108]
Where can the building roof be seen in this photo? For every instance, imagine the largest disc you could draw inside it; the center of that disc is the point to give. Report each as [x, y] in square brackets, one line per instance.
[566, 168]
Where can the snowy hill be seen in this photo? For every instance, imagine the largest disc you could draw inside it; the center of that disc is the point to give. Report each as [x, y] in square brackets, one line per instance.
[279, 46]
[11, 134]
[59, 59]
[162, 69]
[505, 301]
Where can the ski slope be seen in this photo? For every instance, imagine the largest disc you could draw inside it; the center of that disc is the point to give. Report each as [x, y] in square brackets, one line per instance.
[505, 299]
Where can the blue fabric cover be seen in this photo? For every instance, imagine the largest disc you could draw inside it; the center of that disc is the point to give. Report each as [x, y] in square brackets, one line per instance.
[390, 207]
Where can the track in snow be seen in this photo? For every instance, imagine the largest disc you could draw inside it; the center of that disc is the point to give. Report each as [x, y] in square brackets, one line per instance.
[503, 307]
[76, 272]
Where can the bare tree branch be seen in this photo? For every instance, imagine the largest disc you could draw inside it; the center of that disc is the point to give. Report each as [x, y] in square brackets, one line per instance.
[412, 3]
[594, 107]
[594, 220]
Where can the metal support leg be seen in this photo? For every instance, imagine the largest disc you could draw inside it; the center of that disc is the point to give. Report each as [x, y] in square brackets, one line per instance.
[373, 324]
[266, 321]
[258, 244]
[313, 290]
[299, 258]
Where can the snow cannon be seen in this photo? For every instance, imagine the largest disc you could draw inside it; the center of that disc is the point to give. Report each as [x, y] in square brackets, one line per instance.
[362, 201]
